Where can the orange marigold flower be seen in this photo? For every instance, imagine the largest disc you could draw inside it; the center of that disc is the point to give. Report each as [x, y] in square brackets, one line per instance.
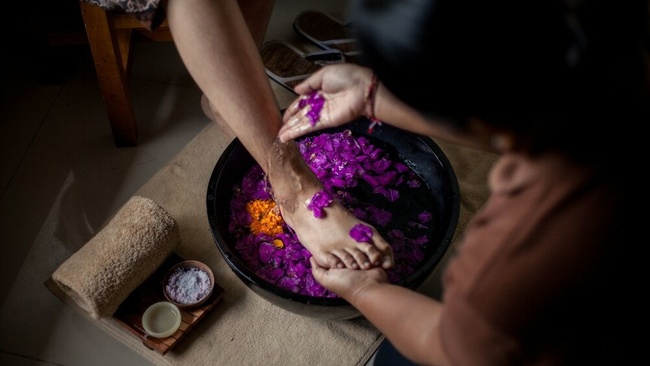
[265, 217]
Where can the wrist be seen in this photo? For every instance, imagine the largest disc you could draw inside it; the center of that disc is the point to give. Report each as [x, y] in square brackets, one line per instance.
[361, 293]
[370, 101]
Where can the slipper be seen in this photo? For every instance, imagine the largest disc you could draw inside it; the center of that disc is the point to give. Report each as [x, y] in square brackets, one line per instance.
[327, 33]
[289, 66]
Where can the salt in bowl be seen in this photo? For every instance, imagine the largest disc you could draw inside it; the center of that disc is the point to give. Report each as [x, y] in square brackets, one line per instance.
[188, 284]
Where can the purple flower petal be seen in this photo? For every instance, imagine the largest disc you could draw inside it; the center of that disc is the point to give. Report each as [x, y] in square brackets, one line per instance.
[361, 233]
[320, 200]
[425, 216]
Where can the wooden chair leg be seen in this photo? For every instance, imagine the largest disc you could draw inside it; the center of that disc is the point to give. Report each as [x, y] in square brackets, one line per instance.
[257, 14]
[111, 51]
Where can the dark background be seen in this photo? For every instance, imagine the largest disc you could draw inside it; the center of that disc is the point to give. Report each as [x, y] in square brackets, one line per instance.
[43, 39]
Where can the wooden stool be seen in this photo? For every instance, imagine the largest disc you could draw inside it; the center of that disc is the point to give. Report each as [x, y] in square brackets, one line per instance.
[110, 35]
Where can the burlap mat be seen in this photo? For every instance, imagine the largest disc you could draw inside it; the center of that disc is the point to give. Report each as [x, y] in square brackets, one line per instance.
[245, 329]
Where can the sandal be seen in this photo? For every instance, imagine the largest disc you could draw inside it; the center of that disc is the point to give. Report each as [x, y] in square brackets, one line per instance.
[327, 33]
[289, 66]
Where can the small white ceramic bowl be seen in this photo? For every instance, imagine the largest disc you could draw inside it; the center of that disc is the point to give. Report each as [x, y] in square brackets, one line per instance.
[161, 319]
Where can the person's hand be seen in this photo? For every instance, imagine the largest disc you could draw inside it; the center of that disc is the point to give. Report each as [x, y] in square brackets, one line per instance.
[343, 88]
[345, 282]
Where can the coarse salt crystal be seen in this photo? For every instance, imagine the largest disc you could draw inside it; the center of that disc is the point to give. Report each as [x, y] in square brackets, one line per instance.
[188, 286]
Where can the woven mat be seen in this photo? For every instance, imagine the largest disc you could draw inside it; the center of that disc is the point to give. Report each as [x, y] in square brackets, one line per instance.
[245, 329]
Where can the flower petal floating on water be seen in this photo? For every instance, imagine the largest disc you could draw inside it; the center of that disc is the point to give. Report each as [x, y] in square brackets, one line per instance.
[320, 200]
[361, 233]
[425, 216]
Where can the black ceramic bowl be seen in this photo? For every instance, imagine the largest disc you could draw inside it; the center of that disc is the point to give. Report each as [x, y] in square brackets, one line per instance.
[421, 153]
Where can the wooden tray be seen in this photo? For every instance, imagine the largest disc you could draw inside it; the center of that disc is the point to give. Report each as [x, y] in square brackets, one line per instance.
[129, 314]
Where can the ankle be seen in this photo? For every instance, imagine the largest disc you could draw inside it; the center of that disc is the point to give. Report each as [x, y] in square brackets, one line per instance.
[291, 178]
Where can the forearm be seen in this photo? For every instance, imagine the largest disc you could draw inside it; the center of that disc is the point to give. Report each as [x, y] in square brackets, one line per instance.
[407, 318]
[393, 111]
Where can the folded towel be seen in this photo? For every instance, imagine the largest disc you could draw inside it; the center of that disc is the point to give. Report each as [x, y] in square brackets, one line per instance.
[102, 274]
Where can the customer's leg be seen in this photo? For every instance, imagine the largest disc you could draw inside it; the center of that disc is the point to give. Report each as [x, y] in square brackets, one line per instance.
[217, 48]
[257, 14]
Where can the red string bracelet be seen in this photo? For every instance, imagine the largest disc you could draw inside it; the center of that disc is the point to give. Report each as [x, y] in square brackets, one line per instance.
[370, 103]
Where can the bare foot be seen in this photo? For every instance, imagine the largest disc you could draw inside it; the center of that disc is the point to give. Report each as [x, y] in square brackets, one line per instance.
[213, 115]
[327, 238]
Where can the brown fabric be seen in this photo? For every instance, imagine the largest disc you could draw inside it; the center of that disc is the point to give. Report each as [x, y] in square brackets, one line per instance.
[245, 329]
[102, 274]
[548, 234]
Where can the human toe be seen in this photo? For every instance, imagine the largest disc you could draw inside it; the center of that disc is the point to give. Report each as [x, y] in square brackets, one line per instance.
[372, 255]
[328, 260]
[387, 262]
[360, 258]
[348, 259]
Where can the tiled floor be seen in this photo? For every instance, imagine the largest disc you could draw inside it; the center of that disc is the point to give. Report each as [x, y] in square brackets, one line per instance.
[61, 178]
